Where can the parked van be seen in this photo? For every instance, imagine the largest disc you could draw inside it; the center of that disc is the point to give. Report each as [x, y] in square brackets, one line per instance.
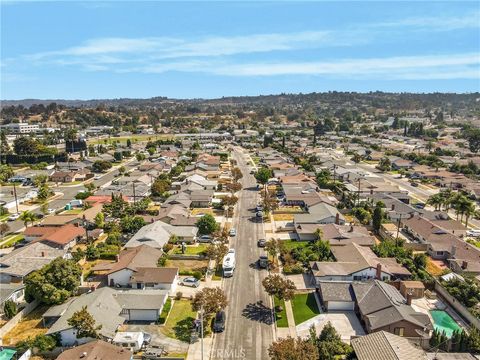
[131, 340]
[229, 263]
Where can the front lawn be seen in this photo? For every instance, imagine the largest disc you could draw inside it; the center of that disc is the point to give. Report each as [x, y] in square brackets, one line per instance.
[293, 244]
[304, 307]
[191, 249]
[280, 317]
[72, 212]
[11, 240]
[180, 321]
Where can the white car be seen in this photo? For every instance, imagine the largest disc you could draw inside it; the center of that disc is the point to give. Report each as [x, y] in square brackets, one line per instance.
[233, 232]
[13, 217]
[97, 177]
[473, 233]
[51, 211]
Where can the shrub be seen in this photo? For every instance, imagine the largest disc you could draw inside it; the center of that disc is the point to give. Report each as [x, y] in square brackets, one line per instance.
[162, 260]
[167, 247]
[293, 269]
[10, 309]
[179, 295]
[166, 309]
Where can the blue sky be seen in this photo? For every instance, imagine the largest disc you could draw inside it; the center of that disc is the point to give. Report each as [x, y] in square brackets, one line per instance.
[86, 50]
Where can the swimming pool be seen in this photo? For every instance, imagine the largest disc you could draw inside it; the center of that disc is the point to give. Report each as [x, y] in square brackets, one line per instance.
[444, 322]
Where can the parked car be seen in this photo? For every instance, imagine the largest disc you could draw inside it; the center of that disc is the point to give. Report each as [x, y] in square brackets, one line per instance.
[259, 214]
[204, 239]
[420, 205]
[473, 233]
[233, 232]
[97, 177]
[263, 261]
[219, 322]
[13, 217]
[190, 281]
[414, 184]
[51, 211]
[261, 243]
[259, 208]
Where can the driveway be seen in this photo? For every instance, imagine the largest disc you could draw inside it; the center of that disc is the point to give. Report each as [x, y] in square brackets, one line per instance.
[171, 345]
[188, 291]
[346, 323]
[302, 281]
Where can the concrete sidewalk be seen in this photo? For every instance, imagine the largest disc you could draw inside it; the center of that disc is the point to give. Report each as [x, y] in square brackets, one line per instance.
[291, 320]
[195, 349]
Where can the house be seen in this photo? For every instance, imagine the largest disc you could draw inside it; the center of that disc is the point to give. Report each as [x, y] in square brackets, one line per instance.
[22, 261]
[320, 214]
[155, 278]
[128, 262]
[96, 350]
[159, 233]
[386, 346]
[346, 234]
[398, 164]
[461, 256]
[379, 306]
[357, 263]
[201, 198]
[64, 237]
[70, 176]
[109, 307]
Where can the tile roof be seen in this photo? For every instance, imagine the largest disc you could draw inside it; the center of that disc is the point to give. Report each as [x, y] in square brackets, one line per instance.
[154, 275]
[96, 350]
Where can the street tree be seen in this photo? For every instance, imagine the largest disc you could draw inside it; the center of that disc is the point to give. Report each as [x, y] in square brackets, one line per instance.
[276, 285]
[293, 349]
[272, 247]
[28, 217]
[84, 323]
[216, 251]
[211, 300]
[4, 229]
[236, 174]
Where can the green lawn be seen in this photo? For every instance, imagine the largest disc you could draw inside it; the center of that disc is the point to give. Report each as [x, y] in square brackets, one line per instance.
[72, 212]
[474, 242]
[11, 240]
[4, 217]
[304, 307]
[191, 250]
[293, 244]
[180, 320]
[281, 317]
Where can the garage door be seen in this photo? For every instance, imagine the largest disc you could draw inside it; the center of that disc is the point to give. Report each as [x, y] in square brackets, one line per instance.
[341, 305]
[143, 315]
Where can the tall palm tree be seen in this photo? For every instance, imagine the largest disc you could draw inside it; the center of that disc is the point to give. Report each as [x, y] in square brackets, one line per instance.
[469, 211]
[436, 200]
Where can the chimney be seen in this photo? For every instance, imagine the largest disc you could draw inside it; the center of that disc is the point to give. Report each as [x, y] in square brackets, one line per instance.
[409, 298]
[379, 271]
[393, 207]
[453, 251]
[371, 191]
[43, 253]
[337, 219]
[464, 264]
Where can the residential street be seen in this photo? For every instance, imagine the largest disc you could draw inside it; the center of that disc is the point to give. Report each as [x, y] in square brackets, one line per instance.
[249, 329]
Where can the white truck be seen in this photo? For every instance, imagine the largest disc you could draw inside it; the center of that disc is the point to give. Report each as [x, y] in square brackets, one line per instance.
[229, 263]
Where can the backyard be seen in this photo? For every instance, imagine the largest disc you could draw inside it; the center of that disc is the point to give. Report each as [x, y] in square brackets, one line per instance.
[180, 320]
[191, 249]
[304, 307]
[29, 327]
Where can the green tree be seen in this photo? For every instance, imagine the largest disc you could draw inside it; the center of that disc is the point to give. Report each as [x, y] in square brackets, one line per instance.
[28, 217]
[263, 175]
[9, 309]
[211, 300]
[6, 172]
[55, 282]
[131, 224]
[84, 323]
[160, 187]
[99, 220]
[207, 224]
[25, 146]
[43, 192]
[276, 285]
[377, 218]
[293, 349]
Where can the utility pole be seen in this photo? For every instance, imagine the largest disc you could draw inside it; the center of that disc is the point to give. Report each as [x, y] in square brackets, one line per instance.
[358, 195]
[15, 194]
[201, 330]
[134, 196]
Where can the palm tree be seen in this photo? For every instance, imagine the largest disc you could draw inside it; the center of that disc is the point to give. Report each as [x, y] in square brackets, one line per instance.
[436, 201]
[28, 216]
[469, 211]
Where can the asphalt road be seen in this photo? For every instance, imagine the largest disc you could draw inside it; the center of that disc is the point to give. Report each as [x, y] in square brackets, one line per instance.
[248, 328]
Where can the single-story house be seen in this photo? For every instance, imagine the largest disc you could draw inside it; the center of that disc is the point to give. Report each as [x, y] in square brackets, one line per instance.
[96, 350]
[109, 307]
[159, 233]
[155, 278]
[357, 263]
